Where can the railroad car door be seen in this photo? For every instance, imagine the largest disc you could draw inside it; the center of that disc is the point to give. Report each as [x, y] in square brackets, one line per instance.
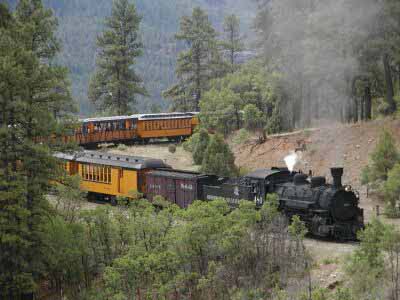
[186, 192]
[171, 189]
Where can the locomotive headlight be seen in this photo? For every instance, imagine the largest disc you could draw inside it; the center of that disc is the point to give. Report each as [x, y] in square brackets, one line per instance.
[347, 188]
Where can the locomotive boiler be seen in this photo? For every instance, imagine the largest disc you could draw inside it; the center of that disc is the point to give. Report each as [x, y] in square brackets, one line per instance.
[328, 210]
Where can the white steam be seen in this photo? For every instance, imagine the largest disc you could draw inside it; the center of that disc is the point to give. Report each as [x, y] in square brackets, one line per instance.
[291, 161]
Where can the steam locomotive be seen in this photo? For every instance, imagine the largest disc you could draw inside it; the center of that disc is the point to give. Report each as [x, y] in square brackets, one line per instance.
[328, 210]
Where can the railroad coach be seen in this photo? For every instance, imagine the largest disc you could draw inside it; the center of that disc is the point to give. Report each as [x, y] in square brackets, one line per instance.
[106, 176]
[134, 128]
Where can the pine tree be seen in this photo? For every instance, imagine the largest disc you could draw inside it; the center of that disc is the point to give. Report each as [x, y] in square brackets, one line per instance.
[218, 158]
[383, 159]
[199, 64]
[116, 84]
[254, 120]
[33, 97]
[201, 146]
[232, 42]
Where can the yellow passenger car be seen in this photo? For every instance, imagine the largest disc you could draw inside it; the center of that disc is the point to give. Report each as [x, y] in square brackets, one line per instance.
[106, 176]
[174, 126]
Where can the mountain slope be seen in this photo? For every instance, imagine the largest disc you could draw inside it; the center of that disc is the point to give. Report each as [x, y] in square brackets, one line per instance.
[80, 21]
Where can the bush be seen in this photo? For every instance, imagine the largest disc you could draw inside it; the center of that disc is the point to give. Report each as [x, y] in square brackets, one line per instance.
[172, 148]
[391, 191]
[191, 142]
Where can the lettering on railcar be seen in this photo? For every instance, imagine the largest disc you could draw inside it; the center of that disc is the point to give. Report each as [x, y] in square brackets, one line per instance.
[187, 187]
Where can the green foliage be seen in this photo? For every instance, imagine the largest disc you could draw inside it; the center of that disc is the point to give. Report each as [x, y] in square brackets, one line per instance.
[366, 265]
[220, 110]
[198, 64]
[384, 157]
[373, 267]
[253, 118]
[316, 294]
[69, 198]
[65, 248]
[201, 146]
[190, 144]
[297, 228]
[343, 294]
[391, 189]
[222, 106]
[382, 161]
[34, 101]
[232, 42]
[116, 84]
[218, 158]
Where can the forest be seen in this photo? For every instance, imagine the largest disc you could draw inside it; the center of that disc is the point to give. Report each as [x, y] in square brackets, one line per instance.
[261, 68]
[80, 22]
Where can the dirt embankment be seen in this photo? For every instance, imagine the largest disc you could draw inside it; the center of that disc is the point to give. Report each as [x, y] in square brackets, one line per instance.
[348, 146]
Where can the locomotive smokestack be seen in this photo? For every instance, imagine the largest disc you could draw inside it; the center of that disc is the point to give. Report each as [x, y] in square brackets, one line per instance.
[337, 174]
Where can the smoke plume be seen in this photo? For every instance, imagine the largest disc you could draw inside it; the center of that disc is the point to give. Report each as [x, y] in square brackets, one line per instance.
[315, 45]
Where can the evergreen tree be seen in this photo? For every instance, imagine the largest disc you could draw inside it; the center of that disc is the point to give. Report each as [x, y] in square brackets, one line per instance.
[254, 119]
[383, 159]
[5, 15]
[34, 96]
[201, 146]
[115, 84]
[232, 42]
[218, 158]
[197, 65]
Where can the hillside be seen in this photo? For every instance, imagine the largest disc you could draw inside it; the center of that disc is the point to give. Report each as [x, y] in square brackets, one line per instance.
[348, 146]
[80, 21]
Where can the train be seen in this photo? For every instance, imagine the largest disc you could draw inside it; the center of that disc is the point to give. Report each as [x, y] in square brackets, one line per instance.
[328, 210]
[138, 128]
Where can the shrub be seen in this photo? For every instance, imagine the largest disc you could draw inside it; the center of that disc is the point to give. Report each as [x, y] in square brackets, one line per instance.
[391, 191]
[172, 148]
[191, 142]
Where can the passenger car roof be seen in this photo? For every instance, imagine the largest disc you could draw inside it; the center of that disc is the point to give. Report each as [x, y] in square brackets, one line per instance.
[172, 115]
[115, 160]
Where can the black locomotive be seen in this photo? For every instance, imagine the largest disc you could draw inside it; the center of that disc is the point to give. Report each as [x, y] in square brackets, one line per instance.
[328, 210]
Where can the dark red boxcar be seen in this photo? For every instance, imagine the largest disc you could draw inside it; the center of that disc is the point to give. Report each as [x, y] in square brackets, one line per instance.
[179, 187]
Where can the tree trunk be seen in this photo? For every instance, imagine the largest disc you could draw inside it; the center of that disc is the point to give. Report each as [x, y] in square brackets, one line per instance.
[356, 109]
[389, 84]
[362, 108]
[367, 103]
